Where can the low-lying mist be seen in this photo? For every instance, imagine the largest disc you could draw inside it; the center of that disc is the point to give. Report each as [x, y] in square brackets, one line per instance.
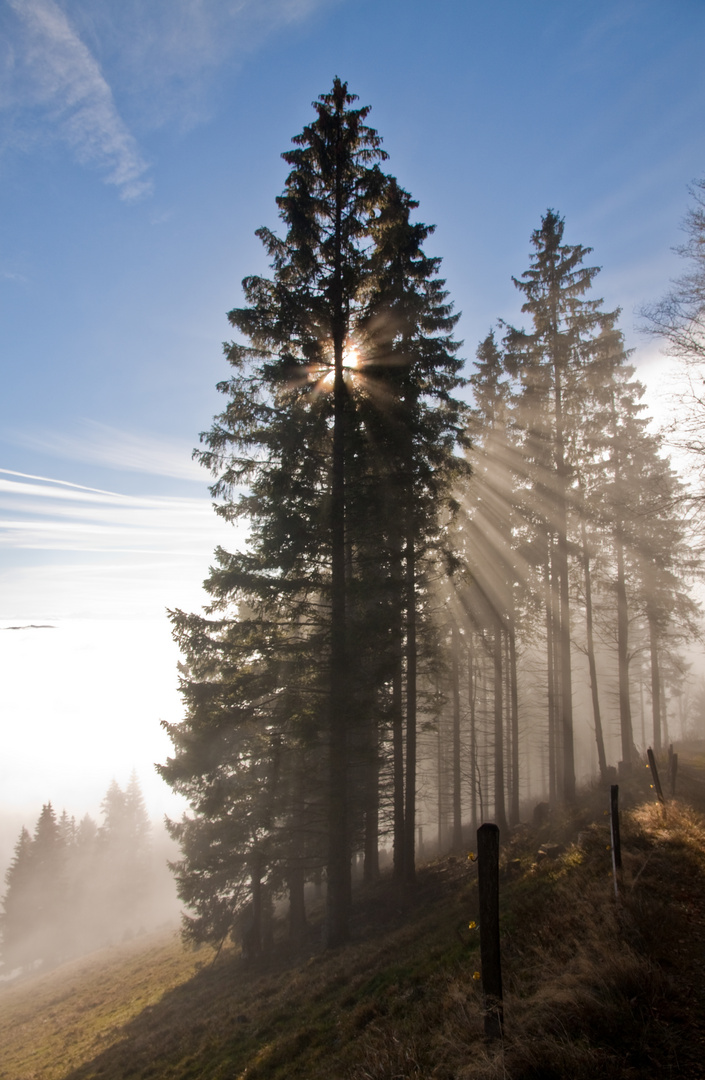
[73, 887]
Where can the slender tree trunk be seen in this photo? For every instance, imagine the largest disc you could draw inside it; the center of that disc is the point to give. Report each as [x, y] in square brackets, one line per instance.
[455, 679]
[566, 696]
[440, 792]
[625, 709]
[655, 679]
[664, 717]
[398, 751]
[410, 800]
[514, 699]
[485, 771]
[472, 697]
[550, 683]
[597, 717]
[499, 805]
[295, 872]
[397, 705]
[252, 936]
[509, 750]
[371, 865]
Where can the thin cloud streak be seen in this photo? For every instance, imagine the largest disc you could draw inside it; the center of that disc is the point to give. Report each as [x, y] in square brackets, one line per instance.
[101, 554]
[48, 515]
[165, 52]
[121, 450]
[66, 79]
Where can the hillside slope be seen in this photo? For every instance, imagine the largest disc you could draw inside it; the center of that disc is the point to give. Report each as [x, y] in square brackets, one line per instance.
[593, 987]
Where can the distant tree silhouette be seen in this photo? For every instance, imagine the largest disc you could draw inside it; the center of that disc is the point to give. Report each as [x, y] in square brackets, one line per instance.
[71, 888]
[16, 922]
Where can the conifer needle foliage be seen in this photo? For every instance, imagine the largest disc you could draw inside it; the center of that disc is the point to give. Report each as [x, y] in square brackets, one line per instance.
[337, 446]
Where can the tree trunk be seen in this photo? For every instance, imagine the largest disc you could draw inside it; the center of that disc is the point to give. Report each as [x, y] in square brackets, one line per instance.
[655, 679]
[625, 709]
[472, 697]
[455, 679]
[295, 871]
[499, 805]
[566, 686]
[597, 717]
[410, 807]
[514, 704]
[664, 716]
[550, 682]
[371, 865]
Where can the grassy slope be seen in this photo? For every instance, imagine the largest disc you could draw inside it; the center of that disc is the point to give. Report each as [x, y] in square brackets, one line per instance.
[592, 988]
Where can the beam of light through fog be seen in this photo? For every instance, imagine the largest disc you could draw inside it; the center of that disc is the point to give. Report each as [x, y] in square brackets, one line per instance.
[137, 159]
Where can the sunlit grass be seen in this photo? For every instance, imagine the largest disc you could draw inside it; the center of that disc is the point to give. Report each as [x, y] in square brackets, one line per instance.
[51, 1023]
[589, 984]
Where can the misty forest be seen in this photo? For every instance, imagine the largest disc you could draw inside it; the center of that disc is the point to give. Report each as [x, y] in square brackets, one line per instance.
[467, 585]
[77, 886]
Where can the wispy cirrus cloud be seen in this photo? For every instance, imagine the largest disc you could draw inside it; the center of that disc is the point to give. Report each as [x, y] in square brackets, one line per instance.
[62, 61]
[164, 52]
[71, 551]
[41, 513]
[102, 444]
[54, 70]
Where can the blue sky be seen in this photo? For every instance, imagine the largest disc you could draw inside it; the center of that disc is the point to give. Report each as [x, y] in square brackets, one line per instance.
[140, 146]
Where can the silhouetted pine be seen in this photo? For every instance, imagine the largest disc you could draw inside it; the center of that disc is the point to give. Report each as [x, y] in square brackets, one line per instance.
[406, 402]
[549, 362]
[656, 560]
[488, 540]
[336, 447]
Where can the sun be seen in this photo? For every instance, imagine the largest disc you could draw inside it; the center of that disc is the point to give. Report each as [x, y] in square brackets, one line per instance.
[351, 357]
[323, 375]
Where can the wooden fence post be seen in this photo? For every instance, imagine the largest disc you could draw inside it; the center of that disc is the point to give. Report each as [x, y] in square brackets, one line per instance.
[488, 885]
[614, 830]
[654, 773]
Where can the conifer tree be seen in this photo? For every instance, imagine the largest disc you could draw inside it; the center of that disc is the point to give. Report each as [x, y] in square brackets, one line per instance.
[549, 361]
[16, 923]
[486, 539]
[405, 400]
[300, 655]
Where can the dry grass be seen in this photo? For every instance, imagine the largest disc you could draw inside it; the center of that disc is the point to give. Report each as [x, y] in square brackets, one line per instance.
[596, 988]
[593, 988]
[51, 1022]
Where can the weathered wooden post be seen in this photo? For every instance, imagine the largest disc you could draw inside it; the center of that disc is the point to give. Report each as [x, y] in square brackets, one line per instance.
[488, 885]
[674, 773]
[654, 773]
[614, 830]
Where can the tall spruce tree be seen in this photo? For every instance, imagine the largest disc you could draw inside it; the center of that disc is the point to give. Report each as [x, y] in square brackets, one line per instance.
[300, 324]
[487, 539]
[413, 423]
[549, 361]
[328, 418]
